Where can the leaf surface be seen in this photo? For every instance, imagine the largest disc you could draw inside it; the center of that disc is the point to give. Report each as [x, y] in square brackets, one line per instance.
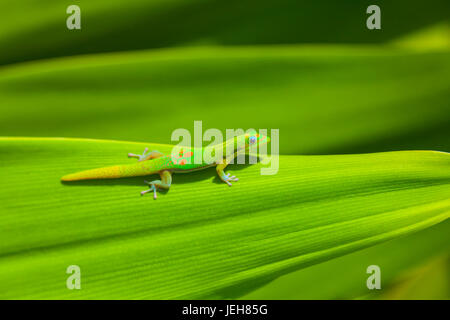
[202, 238]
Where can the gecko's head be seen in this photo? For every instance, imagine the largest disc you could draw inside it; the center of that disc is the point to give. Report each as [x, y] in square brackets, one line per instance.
[245, 142]
[255, 139]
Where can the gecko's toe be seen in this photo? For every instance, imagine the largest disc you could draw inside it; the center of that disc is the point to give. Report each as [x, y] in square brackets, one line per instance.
[152, 188]
[228, 178]
[140, 157]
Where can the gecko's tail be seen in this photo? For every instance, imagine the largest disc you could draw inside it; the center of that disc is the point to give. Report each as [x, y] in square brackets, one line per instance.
[100, 173]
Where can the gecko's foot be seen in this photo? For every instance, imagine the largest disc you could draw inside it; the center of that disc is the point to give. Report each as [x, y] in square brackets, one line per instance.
[140, 157]
[152, 188]
[227, 178]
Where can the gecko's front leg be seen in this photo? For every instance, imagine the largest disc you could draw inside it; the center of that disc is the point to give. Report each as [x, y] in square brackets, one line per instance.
[164, 183]
[225, 177]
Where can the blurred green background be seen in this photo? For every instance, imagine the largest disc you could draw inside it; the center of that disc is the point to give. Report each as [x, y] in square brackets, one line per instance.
[139, 69]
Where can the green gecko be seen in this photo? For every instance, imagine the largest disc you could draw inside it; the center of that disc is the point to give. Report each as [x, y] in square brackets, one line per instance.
[155, 162]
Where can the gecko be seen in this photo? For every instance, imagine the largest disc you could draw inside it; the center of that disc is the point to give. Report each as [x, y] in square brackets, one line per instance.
[155, 162]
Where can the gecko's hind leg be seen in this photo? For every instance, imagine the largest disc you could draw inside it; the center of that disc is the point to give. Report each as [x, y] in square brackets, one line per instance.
[164, 183]
[146, 156]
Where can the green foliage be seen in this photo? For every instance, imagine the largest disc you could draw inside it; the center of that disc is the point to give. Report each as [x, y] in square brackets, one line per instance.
[425, 283]
[35, 30]
[311, 70]
[345, 277]
[325, 99]
[202, 238]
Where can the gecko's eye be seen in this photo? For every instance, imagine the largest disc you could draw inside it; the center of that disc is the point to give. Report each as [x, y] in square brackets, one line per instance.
[252, 140]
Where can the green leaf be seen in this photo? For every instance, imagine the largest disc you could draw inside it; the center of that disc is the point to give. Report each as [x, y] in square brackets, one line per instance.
[324, 99]
[36, 30]
[428, 282]
[202, 238]
[345, 277]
